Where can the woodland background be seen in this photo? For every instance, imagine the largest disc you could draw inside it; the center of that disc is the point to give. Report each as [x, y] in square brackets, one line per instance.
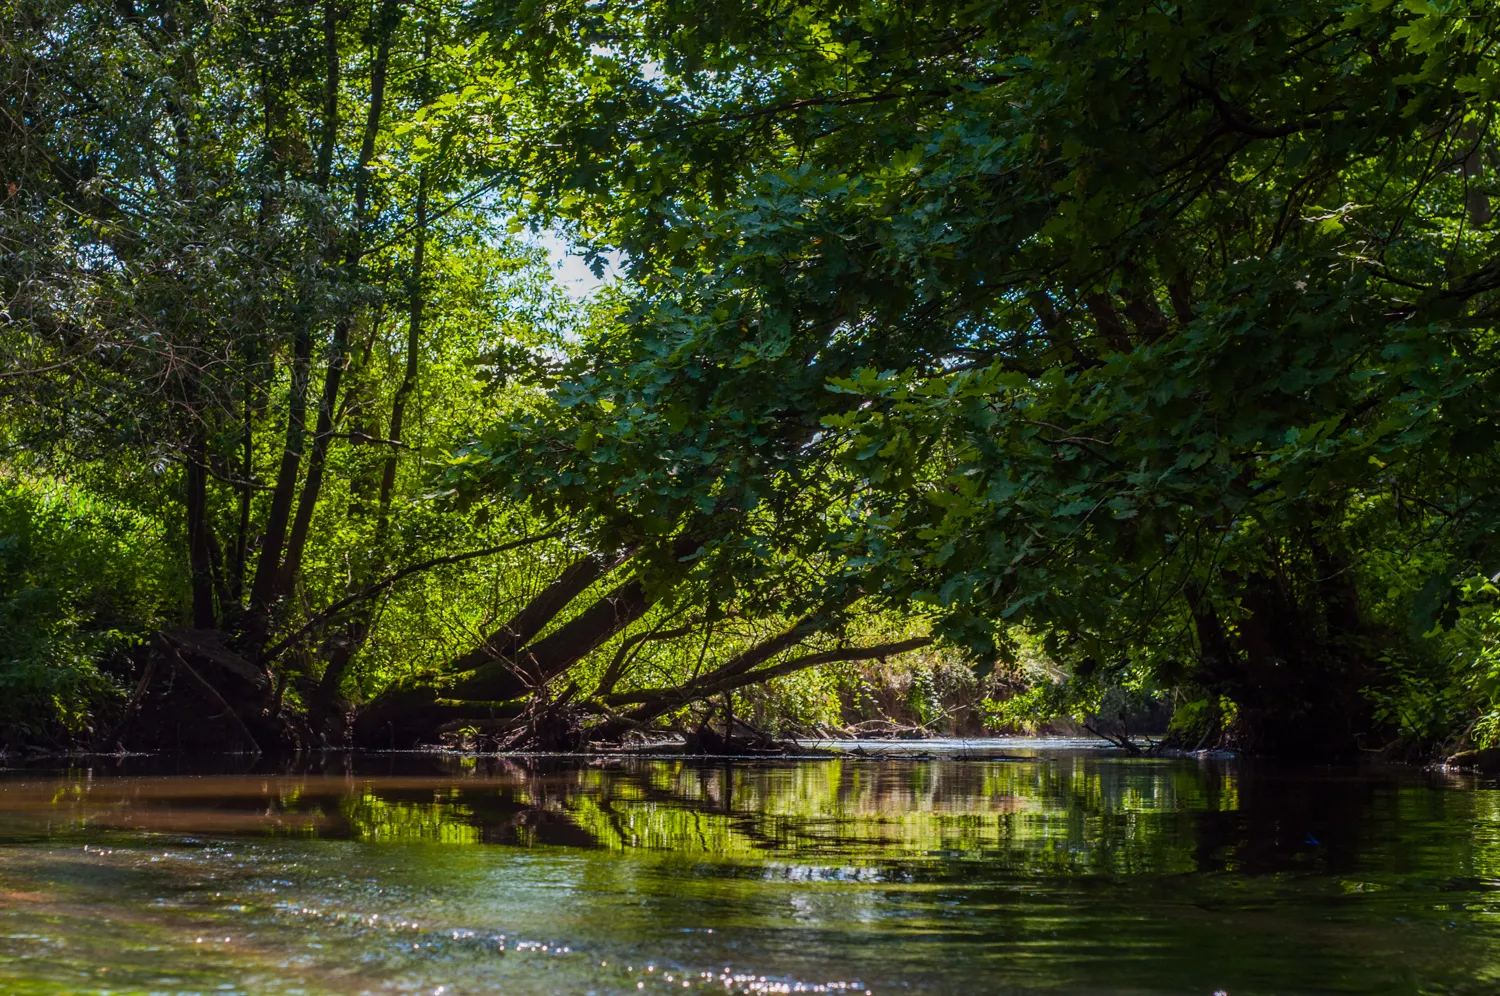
[957, 365]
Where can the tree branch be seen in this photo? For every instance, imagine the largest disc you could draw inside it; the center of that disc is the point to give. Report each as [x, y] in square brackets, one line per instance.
[405, 572]
[655, 701]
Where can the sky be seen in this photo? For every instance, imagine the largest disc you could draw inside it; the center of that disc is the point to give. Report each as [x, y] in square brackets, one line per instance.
[571, 271]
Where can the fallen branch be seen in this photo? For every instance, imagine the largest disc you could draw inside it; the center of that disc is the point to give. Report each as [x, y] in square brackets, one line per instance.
[1121, 741]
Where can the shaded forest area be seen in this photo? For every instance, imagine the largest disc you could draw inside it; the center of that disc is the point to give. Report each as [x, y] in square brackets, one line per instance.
[953, 365]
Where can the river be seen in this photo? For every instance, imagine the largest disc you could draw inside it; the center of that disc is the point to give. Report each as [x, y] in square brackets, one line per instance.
[987, 867]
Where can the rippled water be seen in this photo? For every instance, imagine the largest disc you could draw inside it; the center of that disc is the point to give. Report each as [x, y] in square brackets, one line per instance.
[999, 868]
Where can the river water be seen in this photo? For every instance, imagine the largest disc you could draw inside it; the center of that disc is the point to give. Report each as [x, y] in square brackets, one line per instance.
[991, 867]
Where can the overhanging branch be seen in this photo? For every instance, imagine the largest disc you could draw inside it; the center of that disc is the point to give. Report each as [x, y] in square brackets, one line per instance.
[655, 701]
[390, 579]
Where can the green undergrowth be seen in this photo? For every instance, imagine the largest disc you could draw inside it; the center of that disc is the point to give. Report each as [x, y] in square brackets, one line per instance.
[82, 581]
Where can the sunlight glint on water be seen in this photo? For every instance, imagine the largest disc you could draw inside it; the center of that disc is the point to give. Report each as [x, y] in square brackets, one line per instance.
[1038, 869]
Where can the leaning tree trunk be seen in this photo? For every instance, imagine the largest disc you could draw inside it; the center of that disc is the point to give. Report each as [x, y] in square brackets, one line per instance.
[413, 713]
[648, 705]
[495, 680]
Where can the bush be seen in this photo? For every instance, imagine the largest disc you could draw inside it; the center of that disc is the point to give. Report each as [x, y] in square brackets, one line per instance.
[81, 581]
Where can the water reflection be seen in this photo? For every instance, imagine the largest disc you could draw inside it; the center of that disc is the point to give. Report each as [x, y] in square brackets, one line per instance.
[1048, 870]
[1091, 813]
[1070, 814]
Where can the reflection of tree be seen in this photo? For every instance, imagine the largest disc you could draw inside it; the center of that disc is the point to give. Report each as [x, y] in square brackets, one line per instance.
[1066, 816]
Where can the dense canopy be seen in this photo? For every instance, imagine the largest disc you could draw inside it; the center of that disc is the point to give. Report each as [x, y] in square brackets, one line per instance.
[958, 364]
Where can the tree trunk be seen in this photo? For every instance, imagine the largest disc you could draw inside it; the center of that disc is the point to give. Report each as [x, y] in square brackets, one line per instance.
[534, 665]
[416, 303]
[510, 665]
[200, 566]
[342, 650]
[503, 643]
[1293, 667]
[242, 526]
[413, 355]
[411, 713]
[653, 703]
[338, 357]
[266, 588]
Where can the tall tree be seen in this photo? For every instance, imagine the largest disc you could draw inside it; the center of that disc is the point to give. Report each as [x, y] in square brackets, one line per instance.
[1136, 327]
[212, 214]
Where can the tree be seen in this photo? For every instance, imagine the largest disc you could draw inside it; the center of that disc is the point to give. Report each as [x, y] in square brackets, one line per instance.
[1147, 330]
[1155, 340]
[241, 300]
[261, 277]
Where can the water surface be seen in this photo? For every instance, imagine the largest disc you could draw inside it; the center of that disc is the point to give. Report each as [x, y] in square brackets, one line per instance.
[989, 868]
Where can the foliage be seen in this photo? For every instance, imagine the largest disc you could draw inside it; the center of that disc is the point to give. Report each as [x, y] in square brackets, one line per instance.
[261, 279]
[1156, 343]
[243, 301]
[82, 581]
[1149, 329]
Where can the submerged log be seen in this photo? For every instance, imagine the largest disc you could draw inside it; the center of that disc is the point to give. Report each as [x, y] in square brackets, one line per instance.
[1485, 760]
